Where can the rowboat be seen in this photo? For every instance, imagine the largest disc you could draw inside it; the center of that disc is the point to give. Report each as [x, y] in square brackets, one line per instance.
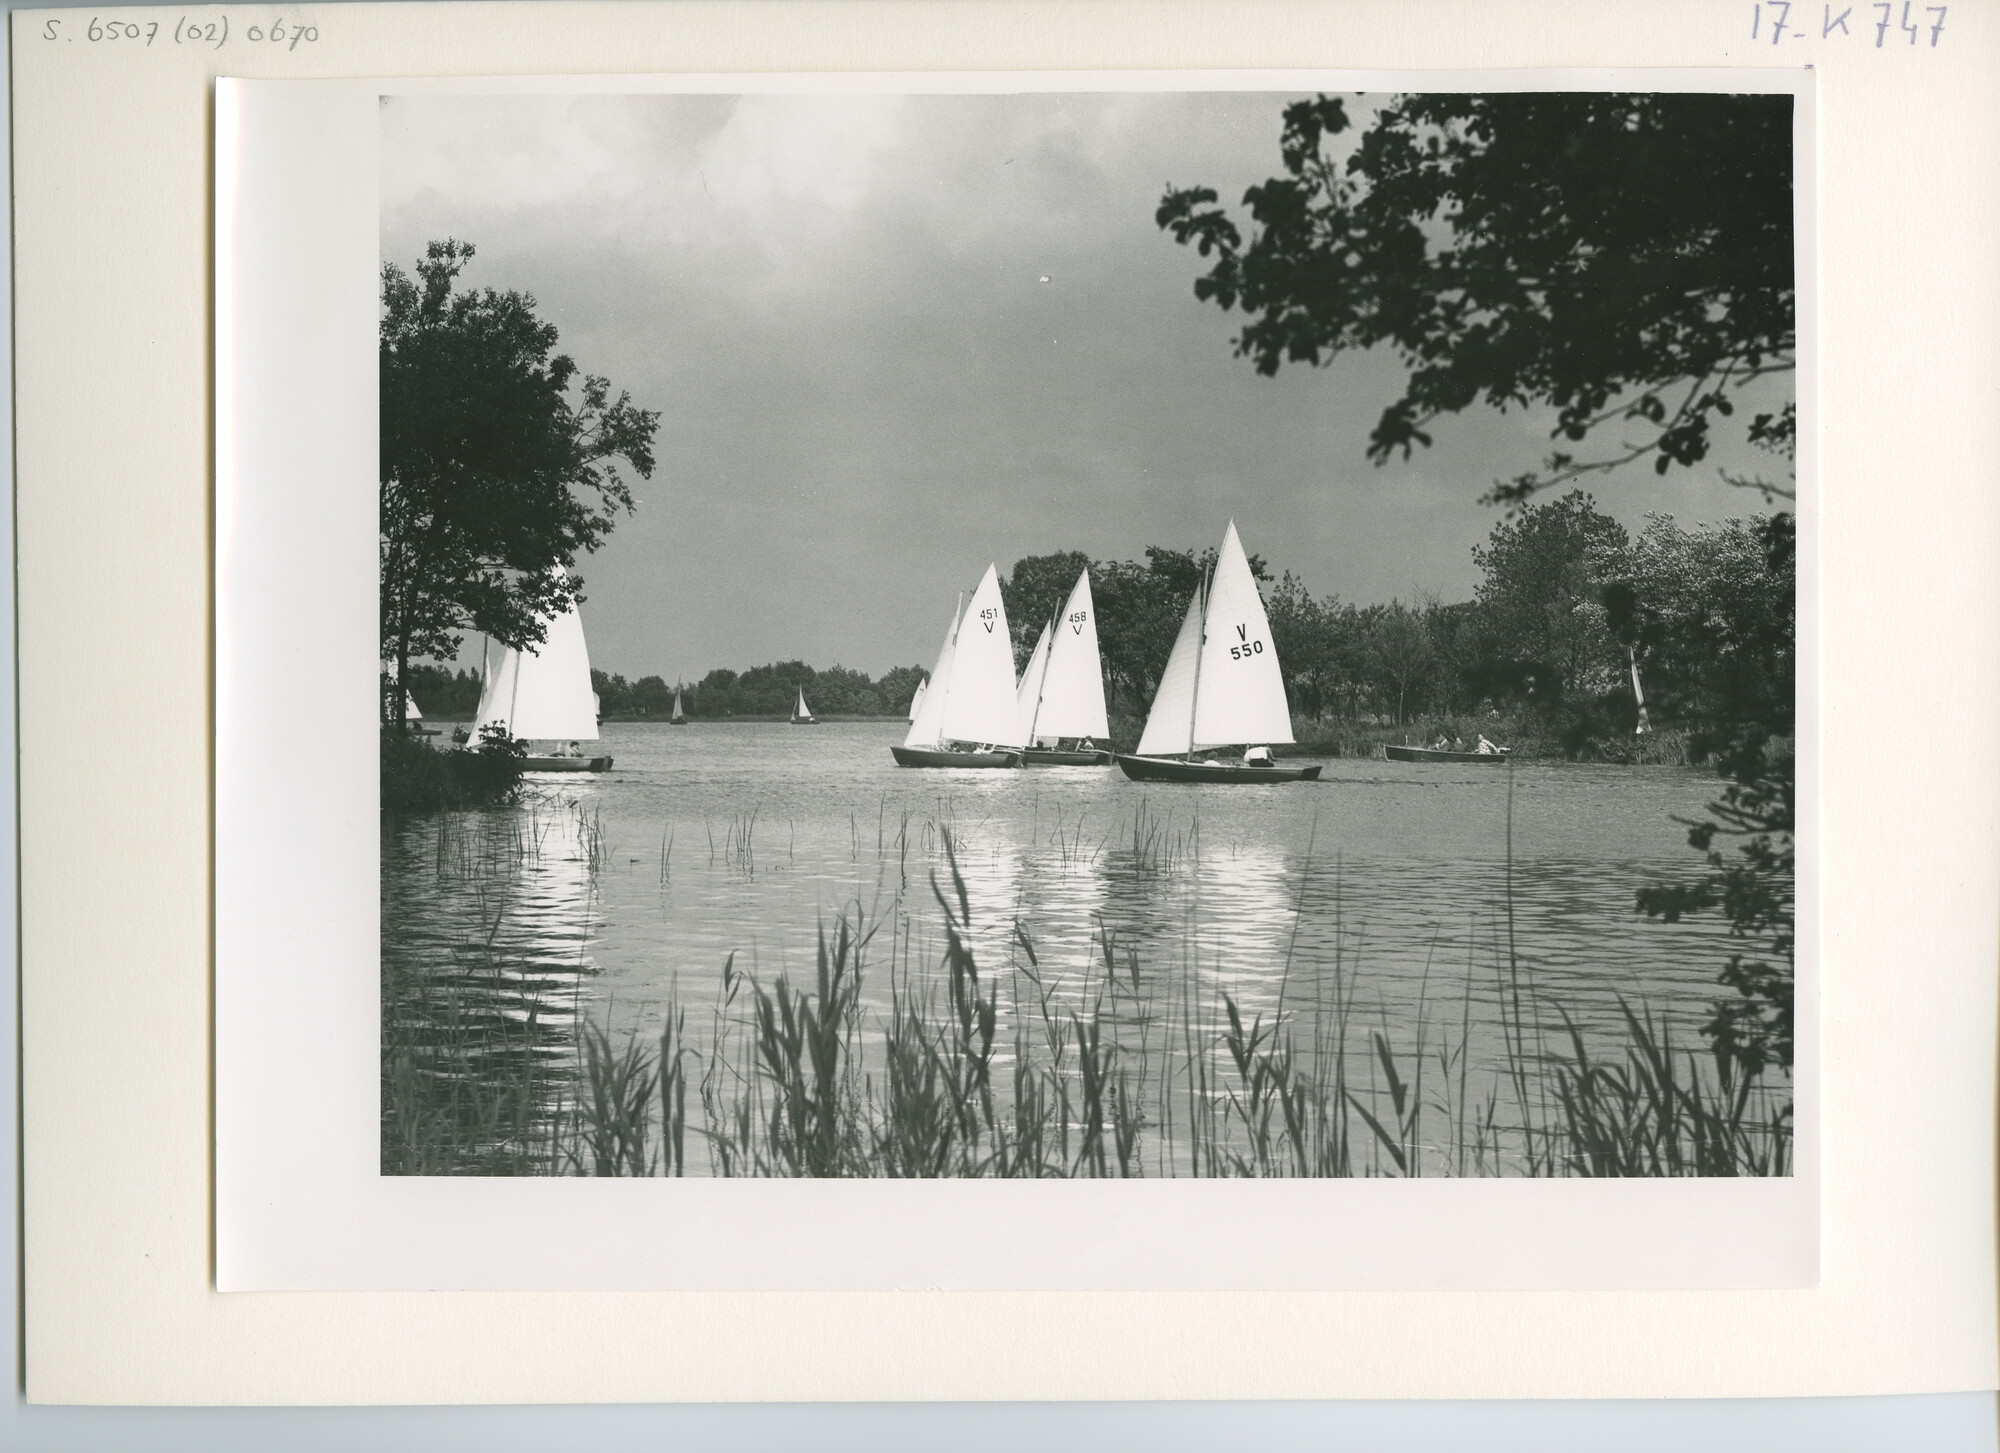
[542, 694]
[968, 716]
[1221, 688]
[1061, 696]
[1438, 754]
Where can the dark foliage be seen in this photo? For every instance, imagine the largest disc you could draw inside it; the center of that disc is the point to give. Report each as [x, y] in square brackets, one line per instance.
[443, 693]
[1751, 687]
[496, 464]
[420, 778]
[1616, 257]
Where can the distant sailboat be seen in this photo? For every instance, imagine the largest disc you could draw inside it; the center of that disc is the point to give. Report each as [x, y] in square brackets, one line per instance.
[917, 701]
[410, 713]
[1222, 687]
[1062, 691]
[542, 694]
[679, 717]
[802, 714]
[969, 716]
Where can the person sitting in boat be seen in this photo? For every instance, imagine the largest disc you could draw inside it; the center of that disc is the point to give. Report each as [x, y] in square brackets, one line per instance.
[1442, 744]
[1458, 744]
[1486, 748]
[1257, 757]
[574, 749]
[1086, 745]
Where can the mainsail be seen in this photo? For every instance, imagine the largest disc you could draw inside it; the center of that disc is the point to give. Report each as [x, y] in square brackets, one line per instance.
[542, 694]
[927, 711]
[678, 714]
[1065, 698]
[917, 701]
[979, 704]
[410, 712]
[801, 712]
[1242, 690]
[1222, 685]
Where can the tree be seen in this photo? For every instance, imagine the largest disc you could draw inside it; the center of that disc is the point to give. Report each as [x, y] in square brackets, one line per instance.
[1709, 612]
[1618, 257]
[1545, 570]
[1307, 635]
[1035, 590]
[496, 464]
[1400, 651]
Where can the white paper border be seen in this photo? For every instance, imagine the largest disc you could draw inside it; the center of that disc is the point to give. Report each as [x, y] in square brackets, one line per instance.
[299, 1203]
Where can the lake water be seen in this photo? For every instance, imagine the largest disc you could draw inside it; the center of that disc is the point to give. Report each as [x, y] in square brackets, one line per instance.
[602, 895]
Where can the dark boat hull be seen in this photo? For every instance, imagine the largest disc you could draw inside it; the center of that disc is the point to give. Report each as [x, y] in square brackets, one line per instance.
[805, 721]
[565, 764]
[1171, 769]
[676, 721]
[1433, 754]
[919, 757]
[1046, 757]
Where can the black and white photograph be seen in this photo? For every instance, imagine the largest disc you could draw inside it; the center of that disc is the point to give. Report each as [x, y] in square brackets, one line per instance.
[1159, 633]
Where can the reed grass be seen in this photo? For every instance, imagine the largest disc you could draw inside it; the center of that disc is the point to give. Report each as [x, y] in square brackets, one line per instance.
[983, 1063]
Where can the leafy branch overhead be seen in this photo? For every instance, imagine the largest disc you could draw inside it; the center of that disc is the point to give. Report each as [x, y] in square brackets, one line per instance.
[498, 462]
[1625, 259]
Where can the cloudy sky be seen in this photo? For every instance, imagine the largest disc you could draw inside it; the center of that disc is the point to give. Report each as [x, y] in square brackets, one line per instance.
[893, 339]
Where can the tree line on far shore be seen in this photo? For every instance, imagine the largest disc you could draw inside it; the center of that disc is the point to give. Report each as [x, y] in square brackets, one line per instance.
[1568, 603]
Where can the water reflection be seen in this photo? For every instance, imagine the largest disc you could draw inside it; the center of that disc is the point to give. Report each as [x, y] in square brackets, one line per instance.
[1385, 901]
[483, 974]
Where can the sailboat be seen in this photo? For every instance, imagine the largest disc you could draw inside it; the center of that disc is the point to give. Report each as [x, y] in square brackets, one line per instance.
[802, 714]
[542, 694]
[1222, 687]
[411, 714]
[679, 717]
[1062, 691]
[969, 716]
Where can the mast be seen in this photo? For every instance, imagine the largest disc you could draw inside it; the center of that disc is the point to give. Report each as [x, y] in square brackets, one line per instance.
[1194, 696]
[513, 699]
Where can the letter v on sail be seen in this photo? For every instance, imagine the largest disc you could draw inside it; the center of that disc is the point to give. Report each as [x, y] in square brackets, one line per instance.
[1219, 689]
[969, 716]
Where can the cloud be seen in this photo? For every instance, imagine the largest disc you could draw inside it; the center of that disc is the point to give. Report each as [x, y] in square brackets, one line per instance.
[867, 392]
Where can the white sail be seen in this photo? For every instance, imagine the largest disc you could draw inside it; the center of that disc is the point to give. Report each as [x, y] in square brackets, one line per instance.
[979, 707]
[1241, 694]
[917, 701]
[677, 712]
[1072, 685]
[410, 712]
[497, 667]
[801, 711]
[927, 711]
[1028, 699]
[1169, 725]
[543, 694]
